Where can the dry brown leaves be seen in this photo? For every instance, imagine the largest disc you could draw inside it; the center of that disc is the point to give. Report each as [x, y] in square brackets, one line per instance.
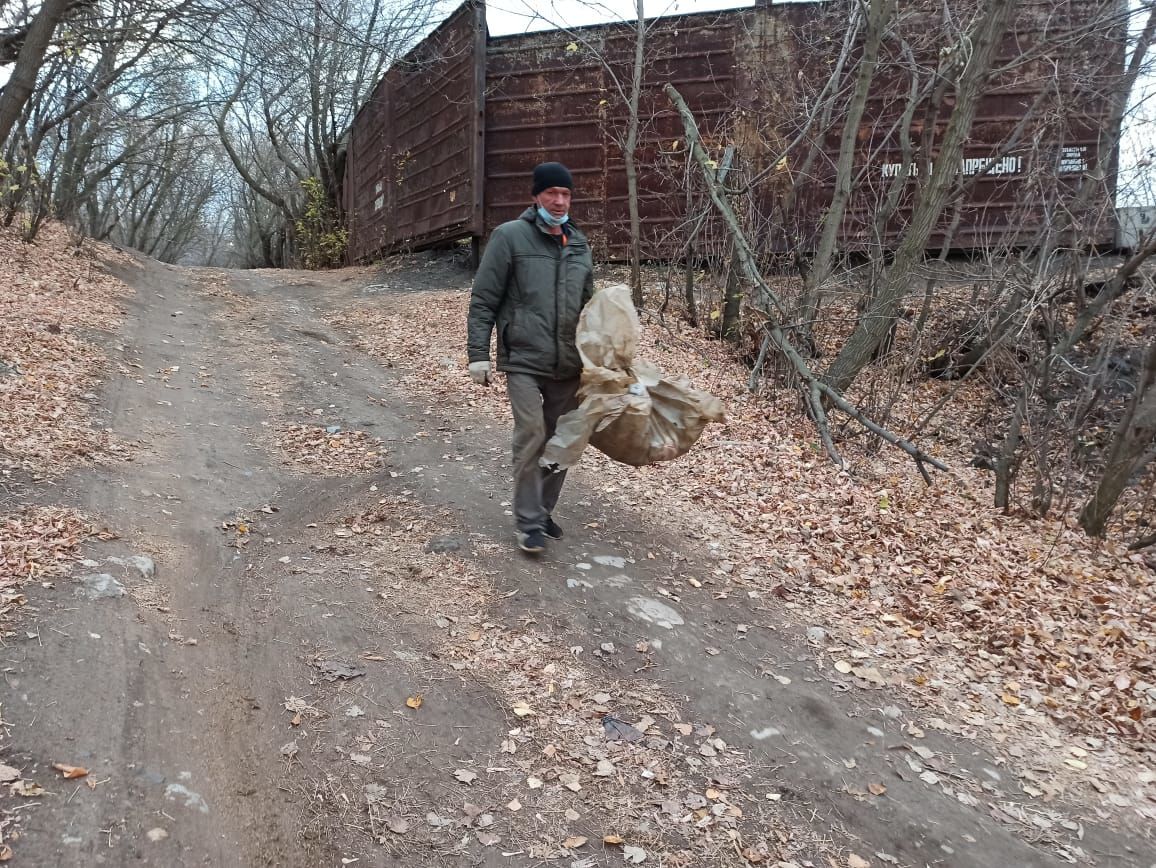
[53, 295]
[583, 750]
[1015, 630]
[39, 542]
[315, 450]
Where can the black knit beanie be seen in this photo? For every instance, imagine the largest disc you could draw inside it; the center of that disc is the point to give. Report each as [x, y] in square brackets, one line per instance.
[547, 175]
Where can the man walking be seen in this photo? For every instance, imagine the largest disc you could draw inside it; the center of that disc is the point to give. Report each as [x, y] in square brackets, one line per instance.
[534, 279]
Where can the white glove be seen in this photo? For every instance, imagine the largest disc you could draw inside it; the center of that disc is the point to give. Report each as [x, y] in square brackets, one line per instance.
[480, 373]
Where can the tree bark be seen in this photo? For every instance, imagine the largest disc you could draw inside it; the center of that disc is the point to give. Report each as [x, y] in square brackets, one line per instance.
[629, 155]
[28, 62]
[879, 14]
[1130, 443]
[732, 302]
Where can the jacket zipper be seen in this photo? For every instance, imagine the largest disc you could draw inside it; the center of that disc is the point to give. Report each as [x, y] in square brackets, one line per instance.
[557, 313]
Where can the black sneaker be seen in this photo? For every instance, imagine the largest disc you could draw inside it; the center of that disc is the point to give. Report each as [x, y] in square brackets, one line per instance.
[552, 530]
[533, 542]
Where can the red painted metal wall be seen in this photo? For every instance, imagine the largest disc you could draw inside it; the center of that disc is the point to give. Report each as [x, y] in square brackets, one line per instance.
[414, 166]
[561, 96]
[444, 148]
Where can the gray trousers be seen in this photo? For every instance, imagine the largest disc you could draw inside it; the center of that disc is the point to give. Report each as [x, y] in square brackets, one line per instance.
[537, 402]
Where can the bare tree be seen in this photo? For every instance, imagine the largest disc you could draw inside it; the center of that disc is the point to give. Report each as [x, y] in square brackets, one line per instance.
[284, 88]
[877, 15]
[28, 62]
[1129, 450]
[630, 153]
[968, 65]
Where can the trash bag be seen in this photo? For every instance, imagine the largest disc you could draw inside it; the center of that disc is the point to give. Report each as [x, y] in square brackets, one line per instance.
[630, 411]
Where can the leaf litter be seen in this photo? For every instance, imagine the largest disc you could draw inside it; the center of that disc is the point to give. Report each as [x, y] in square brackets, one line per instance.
[936, 593]
[55, 299]
[611, 771]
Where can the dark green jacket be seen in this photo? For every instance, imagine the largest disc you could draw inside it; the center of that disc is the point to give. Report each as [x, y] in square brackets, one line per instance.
[532, 289]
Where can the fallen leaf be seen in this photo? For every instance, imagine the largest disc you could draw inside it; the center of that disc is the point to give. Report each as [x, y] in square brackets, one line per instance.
[1010, 700]
[8, 774]
[854, 861]
[70, 771]
[514, 805]
[611, 839]
[466, 776]
[5, 852]
[414, 701]
[684, 728]
[633, 855]
[570, 781]
[876, 789]
[487, 839]
[398, 826]
[869, 673]
[604, 769]
[522, 709]
[843, 666]
[574, 842]
[534, 783]
[28, 789]
[572, 815]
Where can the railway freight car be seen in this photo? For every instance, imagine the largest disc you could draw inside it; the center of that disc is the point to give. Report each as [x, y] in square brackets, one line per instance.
[442, 148]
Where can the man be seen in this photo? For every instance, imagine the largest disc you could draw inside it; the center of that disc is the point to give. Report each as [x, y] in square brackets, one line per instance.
[534, 279]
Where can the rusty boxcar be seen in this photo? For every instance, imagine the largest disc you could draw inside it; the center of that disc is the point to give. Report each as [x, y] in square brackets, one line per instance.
[442, 149]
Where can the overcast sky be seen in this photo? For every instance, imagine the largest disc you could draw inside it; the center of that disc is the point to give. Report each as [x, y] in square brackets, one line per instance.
[518, 16]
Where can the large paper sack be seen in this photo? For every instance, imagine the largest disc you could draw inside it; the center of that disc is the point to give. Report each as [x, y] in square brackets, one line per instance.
[629, 410]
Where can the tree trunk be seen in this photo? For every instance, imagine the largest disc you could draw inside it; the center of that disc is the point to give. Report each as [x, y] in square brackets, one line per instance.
[629, 156]
[875, 324]
[28, 62]
[879, 14]
[1006, 462]
[688, 290]
[732, 303]
[1130, 443]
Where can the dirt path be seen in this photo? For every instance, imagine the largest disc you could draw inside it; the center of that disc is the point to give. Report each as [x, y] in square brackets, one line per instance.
[253, 702]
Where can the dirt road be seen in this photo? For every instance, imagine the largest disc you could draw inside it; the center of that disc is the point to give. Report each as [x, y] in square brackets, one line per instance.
[340, 660]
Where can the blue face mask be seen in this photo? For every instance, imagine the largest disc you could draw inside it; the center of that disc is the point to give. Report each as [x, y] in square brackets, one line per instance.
[549, 219]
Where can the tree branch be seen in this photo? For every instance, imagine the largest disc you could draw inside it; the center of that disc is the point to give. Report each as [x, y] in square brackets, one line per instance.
[816, 390]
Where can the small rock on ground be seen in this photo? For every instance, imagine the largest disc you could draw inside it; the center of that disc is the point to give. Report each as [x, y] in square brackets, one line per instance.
[98, 586]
